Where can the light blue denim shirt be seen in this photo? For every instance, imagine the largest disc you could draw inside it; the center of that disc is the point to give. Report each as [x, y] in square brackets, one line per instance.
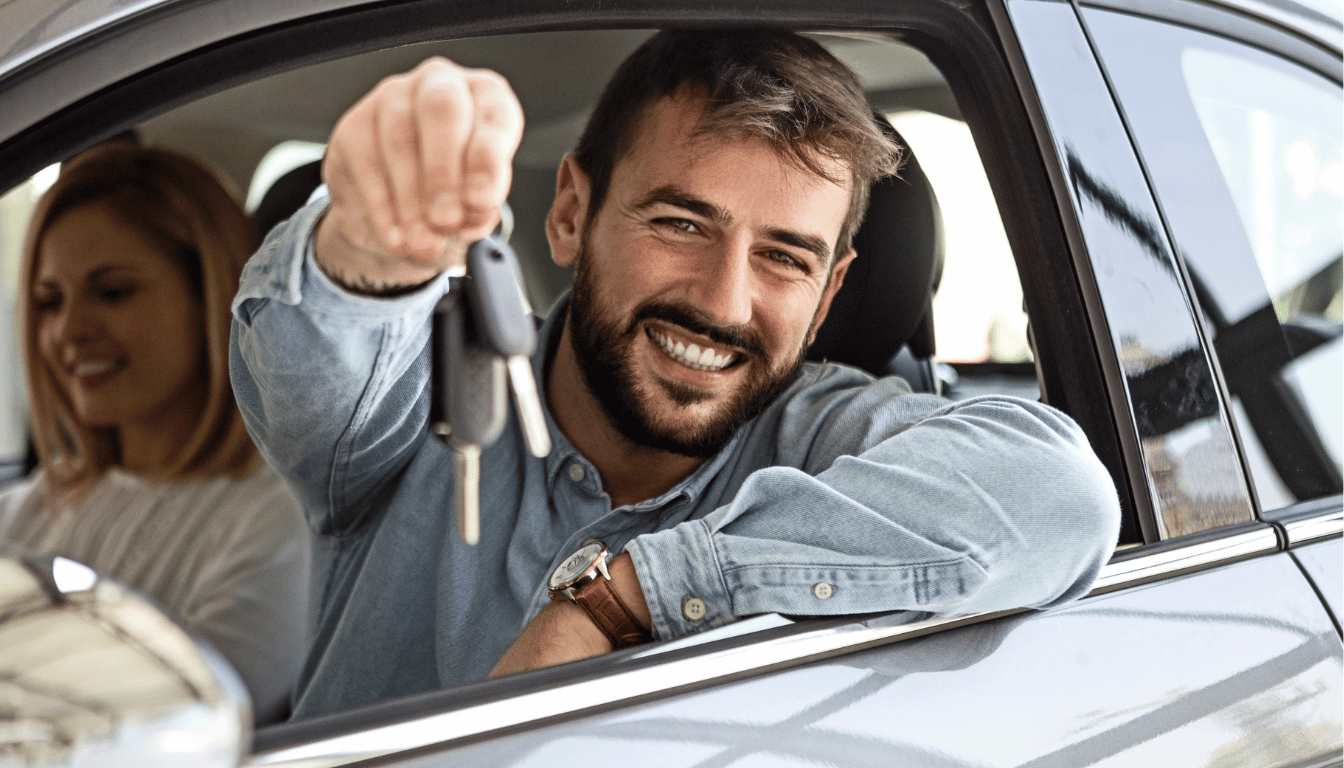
[899, 501]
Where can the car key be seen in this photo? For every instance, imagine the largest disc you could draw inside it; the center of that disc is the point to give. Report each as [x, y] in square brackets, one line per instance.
[495, 292]
[481, 332]
[467, 400]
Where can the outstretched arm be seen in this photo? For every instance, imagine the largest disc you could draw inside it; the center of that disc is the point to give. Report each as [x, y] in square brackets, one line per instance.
[328, 350]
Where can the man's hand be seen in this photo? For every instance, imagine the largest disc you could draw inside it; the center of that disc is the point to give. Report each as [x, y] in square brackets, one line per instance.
[563, 632]
[417, 170]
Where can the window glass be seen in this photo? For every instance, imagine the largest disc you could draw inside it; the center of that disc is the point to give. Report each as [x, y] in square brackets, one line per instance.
[1277, 142]
[1244, 151]
[15, 206]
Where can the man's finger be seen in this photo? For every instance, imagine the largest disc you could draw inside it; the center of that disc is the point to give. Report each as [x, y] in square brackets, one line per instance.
[487, 160]
[355, 176]
[397, 151]
[444, 119]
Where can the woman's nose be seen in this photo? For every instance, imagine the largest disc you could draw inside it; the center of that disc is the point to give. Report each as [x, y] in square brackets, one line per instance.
[73, 322]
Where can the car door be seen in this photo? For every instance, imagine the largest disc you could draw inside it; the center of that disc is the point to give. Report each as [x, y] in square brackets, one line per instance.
[1204, 643]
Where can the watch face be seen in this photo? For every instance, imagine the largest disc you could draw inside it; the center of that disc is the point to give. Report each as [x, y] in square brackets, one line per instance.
[576, 564]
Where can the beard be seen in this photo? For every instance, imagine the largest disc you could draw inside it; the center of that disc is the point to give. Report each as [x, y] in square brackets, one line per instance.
[604, 349]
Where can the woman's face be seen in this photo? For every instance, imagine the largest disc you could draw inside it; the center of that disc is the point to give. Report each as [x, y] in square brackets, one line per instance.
[118, 326]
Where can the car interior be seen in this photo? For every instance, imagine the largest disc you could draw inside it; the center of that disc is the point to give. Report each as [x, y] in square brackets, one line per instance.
[932, 245]
[934, 295]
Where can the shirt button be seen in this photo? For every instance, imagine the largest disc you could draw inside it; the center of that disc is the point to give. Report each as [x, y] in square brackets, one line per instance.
[693, 608]
[576, 473]
[823, 590]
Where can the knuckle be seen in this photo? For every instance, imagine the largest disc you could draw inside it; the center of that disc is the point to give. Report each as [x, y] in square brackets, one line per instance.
[436, 63]
[487, 78]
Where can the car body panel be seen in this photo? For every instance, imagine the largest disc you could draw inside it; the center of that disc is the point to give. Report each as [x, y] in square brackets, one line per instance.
[1323, 562]
[1035, 689]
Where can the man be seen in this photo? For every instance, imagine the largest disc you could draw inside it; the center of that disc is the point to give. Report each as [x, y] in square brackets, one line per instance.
[708, 211]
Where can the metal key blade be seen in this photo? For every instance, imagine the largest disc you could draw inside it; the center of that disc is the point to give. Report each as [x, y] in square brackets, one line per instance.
[468, 460]
[525, 397]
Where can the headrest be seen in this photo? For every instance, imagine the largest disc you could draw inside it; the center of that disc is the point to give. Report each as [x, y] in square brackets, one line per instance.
[286, 195]
[886, 301]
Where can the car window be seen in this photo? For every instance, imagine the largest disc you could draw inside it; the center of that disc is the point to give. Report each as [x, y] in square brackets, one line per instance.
[1243, 149]
[979, 322]
[245, 132]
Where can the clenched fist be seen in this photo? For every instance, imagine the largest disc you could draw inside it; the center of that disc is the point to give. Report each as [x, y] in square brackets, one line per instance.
[417, 171]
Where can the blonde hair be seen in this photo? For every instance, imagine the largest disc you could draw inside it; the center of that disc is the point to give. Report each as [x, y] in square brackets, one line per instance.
[180, 206]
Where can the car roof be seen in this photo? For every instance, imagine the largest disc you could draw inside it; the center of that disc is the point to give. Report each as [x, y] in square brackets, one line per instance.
[31, 30]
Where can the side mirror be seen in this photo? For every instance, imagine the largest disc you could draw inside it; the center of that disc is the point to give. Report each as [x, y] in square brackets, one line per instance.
[93, 673]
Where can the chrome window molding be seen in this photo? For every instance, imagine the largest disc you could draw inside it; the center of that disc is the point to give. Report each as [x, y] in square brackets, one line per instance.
[1315, 528]
[1309, 521]
[1323, 29]
[1228, 19]
[652, 675]
[1145, 564]
[687, 671]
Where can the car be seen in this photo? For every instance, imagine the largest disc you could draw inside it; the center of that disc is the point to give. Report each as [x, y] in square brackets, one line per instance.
[1135, 215]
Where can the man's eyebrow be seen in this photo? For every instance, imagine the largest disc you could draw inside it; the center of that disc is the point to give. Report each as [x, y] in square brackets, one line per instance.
[674, 196]
[811, 243]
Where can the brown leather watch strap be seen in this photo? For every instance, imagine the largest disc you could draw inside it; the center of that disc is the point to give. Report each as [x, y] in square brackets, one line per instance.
[605, 608]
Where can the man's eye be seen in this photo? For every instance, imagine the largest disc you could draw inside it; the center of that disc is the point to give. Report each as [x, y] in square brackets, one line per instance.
[48, 303]
[785, 258]
[684, 225]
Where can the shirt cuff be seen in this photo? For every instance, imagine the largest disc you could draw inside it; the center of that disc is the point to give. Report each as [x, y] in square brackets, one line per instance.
[682, 582]
[285, 269]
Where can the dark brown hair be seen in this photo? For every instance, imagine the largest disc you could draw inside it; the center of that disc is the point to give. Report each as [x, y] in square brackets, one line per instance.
[180, 206]
[772, 85]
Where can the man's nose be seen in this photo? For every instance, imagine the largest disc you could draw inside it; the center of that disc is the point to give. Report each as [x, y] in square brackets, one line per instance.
[725, 286]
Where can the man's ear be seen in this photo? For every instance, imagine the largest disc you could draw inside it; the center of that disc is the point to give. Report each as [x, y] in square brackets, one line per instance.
[569, 212]
[837, 279]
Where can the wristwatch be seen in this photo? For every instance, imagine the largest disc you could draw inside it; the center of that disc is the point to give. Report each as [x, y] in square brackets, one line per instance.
[584, 580]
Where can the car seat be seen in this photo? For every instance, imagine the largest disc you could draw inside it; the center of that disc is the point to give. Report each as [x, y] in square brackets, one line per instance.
[881, 320]
[286, 195]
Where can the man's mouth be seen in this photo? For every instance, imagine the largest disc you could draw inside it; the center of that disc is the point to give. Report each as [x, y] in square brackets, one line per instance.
[693, 355]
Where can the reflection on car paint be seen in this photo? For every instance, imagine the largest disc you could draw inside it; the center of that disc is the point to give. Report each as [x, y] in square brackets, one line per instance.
[985, 695]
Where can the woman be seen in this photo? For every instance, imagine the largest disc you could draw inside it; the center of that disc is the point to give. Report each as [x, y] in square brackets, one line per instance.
[146, 473]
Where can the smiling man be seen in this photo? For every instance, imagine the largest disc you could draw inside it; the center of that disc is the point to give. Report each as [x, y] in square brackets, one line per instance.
[708, 211]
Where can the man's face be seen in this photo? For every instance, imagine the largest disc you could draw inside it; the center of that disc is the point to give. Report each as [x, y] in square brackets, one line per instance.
[701, 281]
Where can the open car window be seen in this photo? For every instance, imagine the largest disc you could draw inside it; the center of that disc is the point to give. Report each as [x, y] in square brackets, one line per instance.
[253, 134]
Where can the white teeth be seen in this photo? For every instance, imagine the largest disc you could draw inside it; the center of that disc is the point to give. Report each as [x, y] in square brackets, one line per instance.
[93, 367]
[692, 356]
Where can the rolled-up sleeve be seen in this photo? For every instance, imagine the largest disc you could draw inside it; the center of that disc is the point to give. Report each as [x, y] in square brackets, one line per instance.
[884, 501]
